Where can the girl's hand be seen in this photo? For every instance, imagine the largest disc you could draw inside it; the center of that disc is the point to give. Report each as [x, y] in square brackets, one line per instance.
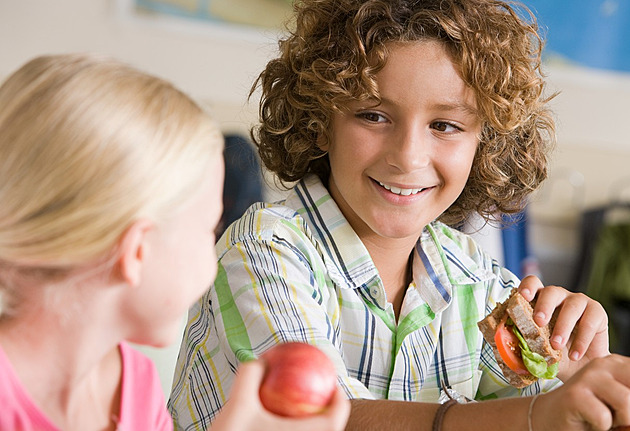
[581, 329]
[244, 411]
[597, 397]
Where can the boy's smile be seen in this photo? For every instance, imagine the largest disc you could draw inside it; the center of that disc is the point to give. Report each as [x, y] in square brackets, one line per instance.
[398, 165]
[402, 190]
[401, 193]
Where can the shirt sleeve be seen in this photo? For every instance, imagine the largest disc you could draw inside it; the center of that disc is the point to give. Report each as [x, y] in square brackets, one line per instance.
[271, 288]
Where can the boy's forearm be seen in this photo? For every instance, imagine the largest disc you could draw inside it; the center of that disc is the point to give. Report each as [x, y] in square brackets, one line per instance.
[378, 415]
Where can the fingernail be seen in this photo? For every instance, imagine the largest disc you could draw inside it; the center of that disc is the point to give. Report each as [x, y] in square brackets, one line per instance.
[557, 340]
[526, 292]
[575, 355]
[540, 316]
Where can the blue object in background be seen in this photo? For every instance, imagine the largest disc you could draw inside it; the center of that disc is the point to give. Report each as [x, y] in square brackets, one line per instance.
[516, 253]
[591, 33]
[243, 179]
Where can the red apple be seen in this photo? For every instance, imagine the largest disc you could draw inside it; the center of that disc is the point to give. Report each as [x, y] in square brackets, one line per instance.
[299, 380]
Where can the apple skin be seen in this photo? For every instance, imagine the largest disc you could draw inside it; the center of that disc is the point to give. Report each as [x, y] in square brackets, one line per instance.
[300, 380]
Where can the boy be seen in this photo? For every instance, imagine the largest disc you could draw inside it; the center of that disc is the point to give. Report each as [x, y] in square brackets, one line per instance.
[397, 119]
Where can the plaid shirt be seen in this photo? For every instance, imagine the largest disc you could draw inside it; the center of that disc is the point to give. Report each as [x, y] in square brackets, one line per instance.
[296, 271]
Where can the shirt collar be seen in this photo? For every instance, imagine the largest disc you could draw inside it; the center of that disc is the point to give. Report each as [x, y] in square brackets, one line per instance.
[347, 259]
[450, 258]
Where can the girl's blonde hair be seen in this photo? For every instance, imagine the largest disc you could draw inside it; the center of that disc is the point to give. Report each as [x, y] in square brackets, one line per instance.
[89, 145]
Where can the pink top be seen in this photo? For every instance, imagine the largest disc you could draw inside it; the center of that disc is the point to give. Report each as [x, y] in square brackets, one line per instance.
[142, 405]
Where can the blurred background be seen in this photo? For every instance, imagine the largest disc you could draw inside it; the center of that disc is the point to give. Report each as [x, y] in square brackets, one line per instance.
[574, 230]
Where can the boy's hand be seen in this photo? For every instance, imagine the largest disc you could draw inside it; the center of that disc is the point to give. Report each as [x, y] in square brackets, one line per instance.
[597, 397]
[581, 329]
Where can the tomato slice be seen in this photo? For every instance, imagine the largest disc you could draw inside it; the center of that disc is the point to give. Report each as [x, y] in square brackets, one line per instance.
[509, 349]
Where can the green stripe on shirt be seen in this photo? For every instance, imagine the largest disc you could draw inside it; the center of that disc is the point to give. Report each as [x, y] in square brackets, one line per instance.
[235, 329]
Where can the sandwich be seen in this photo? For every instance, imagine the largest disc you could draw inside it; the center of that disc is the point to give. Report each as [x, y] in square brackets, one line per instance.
[521, 347]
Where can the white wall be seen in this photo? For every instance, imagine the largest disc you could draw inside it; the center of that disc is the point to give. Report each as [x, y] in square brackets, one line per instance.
[217, 65]
[214, 63]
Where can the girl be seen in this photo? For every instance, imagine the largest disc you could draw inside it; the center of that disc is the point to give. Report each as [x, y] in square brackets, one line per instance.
[111, 185]
[398, 119]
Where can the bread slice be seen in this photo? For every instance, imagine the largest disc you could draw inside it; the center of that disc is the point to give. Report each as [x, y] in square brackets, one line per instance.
[521, 313]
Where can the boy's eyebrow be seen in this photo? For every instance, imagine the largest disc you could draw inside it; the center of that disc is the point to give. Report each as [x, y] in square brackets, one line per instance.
[447, 106]
[457, 106]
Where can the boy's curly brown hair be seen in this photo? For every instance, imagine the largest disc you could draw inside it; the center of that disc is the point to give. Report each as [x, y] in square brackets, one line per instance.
[337, 46]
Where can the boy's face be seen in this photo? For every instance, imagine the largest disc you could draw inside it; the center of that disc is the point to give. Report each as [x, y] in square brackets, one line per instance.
[398, 166]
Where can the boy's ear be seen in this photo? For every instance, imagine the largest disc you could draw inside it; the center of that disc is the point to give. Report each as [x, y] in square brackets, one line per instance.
[133, 248]
[322, 143]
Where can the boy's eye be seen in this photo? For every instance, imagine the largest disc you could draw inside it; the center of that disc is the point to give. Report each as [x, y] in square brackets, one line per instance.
[372, 117]
[442, 126]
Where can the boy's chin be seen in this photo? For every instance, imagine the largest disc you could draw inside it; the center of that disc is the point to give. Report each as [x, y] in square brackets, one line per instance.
[400, 229]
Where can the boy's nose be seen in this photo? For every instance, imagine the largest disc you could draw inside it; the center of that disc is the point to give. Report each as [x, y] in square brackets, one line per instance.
[409, 150]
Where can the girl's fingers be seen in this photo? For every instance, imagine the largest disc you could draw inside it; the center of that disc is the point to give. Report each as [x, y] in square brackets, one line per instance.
[334, 418]
[248, 378]
[339, 409]
[245, 393]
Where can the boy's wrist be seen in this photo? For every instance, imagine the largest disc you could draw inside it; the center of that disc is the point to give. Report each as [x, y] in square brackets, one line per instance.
[441, 413]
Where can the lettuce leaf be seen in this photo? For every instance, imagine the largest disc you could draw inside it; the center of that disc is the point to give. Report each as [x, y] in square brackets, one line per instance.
[534, 362]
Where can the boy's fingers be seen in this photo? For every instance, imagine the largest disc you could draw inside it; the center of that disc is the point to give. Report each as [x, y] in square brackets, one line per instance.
[574, 310]
[529, 286]
[548, 300]
[592, 322]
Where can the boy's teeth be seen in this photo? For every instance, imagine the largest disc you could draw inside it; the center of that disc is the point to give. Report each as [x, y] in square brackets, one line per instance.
[397, 191]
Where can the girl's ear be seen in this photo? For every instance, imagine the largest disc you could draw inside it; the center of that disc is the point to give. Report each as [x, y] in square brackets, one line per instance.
[133, 249]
